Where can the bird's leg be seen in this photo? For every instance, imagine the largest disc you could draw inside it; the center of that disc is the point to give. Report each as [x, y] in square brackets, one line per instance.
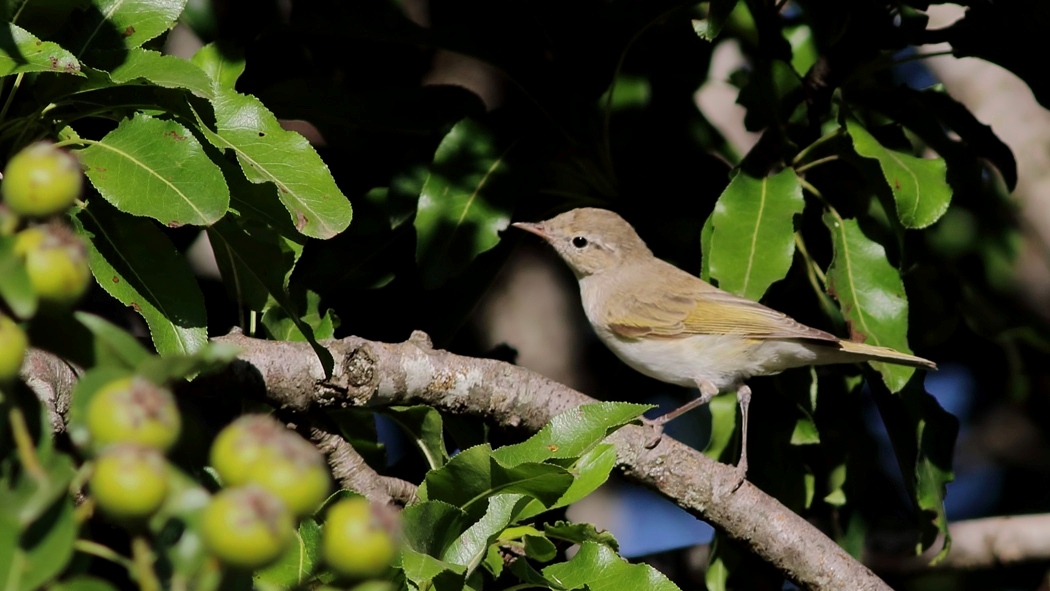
[707, 391]
[743, 398]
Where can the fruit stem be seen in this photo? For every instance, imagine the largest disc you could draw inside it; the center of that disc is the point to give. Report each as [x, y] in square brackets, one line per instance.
[142, 553]
[11, 95]
[103, 552]
[24, 442]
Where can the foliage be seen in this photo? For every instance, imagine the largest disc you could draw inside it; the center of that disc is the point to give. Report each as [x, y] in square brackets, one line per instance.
[845, 213]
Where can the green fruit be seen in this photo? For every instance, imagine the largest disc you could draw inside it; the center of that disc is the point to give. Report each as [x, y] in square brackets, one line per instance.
[41, 180]
[56, 262]
[354, 542]
[247, 527]
[257, 449]
[13, 346]
[129, 482]
[133, 410]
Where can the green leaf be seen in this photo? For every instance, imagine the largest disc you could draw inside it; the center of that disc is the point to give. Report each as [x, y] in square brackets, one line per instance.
[268, 153]
[592, 470]
[919, 185]
[805, 432]
[223, 64]
[21, 52]
[600, 569]
[295, 567]
[427, 572]
[424, 426]
[431, 527]
[836, 478]
[474, 475]
[166, 71]
[125, 24]
[136, 264]
[717, 13]
[463, 205]
[578, 533]
[706, 232]
[540, 548]
[470, 548]
[723, 425]
[870, 293]
[753, 233]
[48, 544]
[571, 433]
[923, 436]
[283, 328]
[255, 263]
[113, 343]
[82, 583]
[157, 168]
[209, 358]
[15, 289]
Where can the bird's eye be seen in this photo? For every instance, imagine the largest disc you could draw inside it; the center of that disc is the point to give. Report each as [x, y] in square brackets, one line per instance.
[579, 242]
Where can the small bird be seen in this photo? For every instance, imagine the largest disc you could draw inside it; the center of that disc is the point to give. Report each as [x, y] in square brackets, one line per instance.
[679, 329]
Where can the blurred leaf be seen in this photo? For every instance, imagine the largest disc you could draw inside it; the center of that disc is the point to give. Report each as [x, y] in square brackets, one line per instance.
[870, 293]
[119, 345]
[255, 263]
[166, 71]
[919, 185]
[223, 64]
[136, 264]
[718, 12]
[723, 425]
[771, 95]
[470, 548]
[82, 583]
[571, 433]
[424, 426]
[474, 475]
[705, 246]
[836, 478]
[269, 153]
[600, 569]
[21, 52]
[294, 568]
[753, 232]
[125, 24]
[48, 545]
[462, 207]
[805, 432]
[15, 289]
[209, 358]
[157, 168]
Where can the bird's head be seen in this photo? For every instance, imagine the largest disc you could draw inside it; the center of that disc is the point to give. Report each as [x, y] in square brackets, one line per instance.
[592, 241]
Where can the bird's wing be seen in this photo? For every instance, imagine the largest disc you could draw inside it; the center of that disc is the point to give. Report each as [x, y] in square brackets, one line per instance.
[683, 305]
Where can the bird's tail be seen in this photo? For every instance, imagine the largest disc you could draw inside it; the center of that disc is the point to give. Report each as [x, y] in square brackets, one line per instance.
[874, 353]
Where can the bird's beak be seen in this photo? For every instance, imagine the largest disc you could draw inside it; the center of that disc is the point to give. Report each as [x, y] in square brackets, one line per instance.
[531, 228]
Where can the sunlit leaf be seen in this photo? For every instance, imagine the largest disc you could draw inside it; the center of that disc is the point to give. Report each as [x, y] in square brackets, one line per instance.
[21, 52]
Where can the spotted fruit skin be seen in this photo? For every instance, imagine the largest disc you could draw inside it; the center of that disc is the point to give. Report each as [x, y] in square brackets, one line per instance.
[357, 542]
[133, 410]
[129, 482]
[41, 180]
[56, 262]
[13, 346]
[246, 527]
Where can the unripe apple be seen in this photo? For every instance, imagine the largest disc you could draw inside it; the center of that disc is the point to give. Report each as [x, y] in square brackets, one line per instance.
[357, 541]
[133, 410]
[247, 527]
[129, 482]
[13, 345]
[41, 180]
[56, 262]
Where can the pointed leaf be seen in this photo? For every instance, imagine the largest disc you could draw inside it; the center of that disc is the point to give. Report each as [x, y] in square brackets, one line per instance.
[470, 548]
[578, 533]
[427, 572]
[294, 568]
[919, 185]
[118, 343]
[462, 207]
[268, 153]
[21, 52]
[136, 264]
[600, 569]
[571, 433]
[283, 328]
[753, 232]
[166, 71]
[718, 12]
[431, 527]
[125, 24]
[592, 470]
[157, 168]
[224, 65]
[871, 294]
